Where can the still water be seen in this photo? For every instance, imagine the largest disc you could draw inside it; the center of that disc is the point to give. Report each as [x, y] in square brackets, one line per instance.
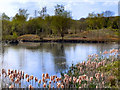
[37, 58]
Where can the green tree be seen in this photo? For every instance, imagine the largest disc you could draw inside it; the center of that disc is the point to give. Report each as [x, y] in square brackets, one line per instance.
[75, 26]
[82, 24]
[61, 21]
[19, 21]
[115, 23]
[48, 20]
[43, 12]
[5, 17]
[6, 25]
[59, 10]
[36, 26]
[108, 13]
[95, 21]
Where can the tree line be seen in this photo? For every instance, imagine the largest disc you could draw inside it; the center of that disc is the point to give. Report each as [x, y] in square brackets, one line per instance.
[60, 24]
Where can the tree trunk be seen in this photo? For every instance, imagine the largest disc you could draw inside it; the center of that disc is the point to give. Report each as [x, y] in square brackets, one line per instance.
[62, 34]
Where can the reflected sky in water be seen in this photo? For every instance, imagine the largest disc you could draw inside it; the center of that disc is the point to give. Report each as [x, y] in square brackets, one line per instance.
[38, 58]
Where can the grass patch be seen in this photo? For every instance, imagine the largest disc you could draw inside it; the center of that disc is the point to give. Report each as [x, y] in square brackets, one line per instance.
[29, 37]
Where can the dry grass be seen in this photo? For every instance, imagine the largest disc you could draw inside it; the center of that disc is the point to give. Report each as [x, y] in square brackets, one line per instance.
[29, 37]
[91, 35]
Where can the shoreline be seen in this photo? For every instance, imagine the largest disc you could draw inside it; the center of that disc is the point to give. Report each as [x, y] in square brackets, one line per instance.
[66, 40]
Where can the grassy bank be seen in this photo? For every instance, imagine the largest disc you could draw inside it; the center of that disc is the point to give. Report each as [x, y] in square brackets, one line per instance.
[102, 35]
[91, 35]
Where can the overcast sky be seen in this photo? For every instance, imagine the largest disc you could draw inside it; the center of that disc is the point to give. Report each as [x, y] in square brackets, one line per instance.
[79, 8]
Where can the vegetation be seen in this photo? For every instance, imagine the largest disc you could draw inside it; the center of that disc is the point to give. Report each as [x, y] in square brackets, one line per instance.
[112, 71]
[98, 72]
[59, 25]
[29, 37]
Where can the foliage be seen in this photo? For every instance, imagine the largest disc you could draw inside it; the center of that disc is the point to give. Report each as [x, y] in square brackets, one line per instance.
[60, 25]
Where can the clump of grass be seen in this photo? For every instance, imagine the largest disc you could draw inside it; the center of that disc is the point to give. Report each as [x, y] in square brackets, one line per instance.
[29, 37]
[112, 71]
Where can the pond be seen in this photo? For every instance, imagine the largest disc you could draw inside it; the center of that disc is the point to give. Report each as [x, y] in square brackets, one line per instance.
[52, 58]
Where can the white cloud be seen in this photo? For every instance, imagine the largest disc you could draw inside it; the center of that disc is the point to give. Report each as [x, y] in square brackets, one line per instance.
[10, 7]
[110, 3]
[69, 5]
[7, 7]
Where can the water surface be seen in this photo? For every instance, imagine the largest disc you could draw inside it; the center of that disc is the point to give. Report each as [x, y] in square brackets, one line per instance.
[38, 58]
